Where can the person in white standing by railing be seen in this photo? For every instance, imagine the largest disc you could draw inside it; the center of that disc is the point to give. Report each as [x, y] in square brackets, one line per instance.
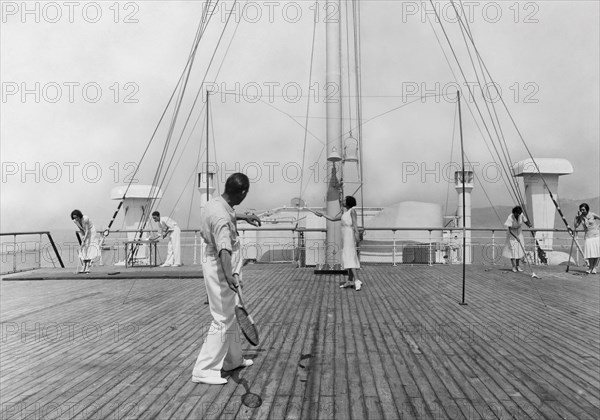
[168, 227]
[351, 237]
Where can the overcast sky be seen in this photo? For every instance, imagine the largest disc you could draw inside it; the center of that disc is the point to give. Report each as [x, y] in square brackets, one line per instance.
[84, 85]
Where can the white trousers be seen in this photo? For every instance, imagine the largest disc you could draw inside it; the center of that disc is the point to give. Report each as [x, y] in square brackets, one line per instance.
[222, 346]
[174, 248]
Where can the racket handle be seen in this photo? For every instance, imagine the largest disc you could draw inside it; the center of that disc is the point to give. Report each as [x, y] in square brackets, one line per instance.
[239, 292]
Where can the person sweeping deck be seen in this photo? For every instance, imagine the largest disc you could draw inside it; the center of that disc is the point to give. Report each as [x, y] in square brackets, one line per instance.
[89, 249]
[514, 244]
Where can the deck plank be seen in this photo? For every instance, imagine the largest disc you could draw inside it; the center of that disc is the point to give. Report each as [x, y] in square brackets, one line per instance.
[402, 347]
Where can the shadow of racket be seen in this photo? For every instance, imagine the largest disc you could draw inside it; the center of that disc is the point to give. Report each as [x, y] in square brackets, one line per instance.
[249, 399]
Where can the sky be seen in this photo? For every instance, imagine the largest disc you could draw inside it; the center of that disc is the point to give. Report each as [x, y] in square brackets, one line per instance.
[84, 85]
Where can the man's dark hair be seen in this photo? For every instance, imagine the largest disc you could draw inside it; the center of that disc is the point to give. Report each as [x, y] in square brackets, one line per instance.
[585, 206]
[76, 213]
[236, 183]
[155, 213]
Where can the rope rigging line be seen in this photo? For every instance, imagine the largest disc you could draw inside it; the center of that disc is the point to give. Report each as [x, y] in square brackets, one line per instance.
[521, 201]
[159, 175]
[358, 82]
[511, 187]
[150, 200]
[304, 127]
[348, 69]
[507, 175]
[152, 137]
[202, 29]
[310, 70]
[200, 114]
[451, 151]
[195, 171]
[191, 177]
[464, 26]
[212, 132]
[493, 117]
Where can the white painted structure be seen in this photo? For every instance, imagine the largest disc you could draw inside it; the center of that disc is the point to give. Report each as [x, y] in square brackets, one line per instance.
[206, 193]
[137, 203]
[468, 188]
[206, 188]
[539, 175]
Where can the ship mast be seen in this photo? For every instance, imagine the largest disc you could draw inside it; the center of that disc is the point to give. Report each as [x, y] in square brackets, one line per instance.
[334, 132]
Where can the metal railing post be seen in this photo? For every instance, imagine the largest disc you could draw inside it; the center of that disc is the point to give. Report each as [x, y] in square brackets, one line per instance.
[493, 248]
[15, 253]
[429, 251]
[394, 250]
[195, 247]
[40, 252]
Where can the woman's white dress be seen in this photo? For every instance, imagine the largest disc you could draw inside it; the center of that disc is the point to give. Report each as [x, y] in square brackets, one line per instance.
[90, 249]
[512, 248]
[349, 257]
[591, 226]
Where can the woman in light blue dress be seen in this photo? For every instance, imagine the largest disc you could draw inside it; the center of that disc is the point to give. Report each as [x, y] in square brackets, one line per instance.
[350, 240]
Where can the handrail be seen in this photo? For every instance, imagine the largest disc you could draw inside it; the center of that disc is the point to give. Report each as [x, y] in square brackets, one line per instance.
[302, 229]
[42, 232]
[297, 235]
[55, 249]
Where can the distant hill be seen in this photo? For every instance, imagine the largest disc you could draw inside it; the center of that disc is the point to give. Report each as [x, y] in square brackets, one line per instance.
[486, 217]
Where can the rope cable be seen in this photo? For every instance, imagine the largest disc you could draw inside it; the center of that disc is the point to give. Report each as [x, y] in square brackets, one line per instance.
[508, 176]
[310, 70]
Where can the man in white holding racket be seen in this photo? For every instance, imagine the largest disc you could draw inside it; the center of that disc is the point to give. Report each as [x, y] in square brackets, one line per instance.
[222, 348]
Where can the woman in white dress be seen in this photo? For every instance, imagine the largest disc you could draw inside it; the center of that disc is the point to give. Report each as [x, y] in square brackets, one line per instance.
[514, 244]
[350, 240]
[591, 227]
[89, 250]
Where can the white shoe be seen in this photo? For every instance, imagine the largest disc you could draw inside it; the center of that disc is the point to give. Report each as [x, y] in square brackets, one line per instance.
[357, 285]
[519, 269]
[210, 380]
[594, 271]
[166, 265]
[245, 363]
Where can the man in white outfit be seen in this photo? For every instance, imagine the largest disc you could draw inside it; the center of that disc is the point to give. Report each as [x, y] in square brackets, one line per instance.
[222, 348]
[168, 227]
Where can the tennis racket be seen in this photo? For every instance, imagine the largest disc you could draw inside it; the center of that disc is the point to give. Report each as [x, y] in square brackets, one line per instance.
[245, 321]
[79, 259]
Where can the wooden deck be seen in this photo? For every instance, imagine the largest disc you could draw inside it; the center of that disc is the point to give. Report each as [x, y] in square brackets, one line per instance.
[402, 347]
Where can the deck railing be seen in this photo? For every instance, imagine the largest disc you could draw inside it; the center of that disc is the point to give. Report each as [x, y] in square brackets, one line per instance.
[20, 252]
[302, 247]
